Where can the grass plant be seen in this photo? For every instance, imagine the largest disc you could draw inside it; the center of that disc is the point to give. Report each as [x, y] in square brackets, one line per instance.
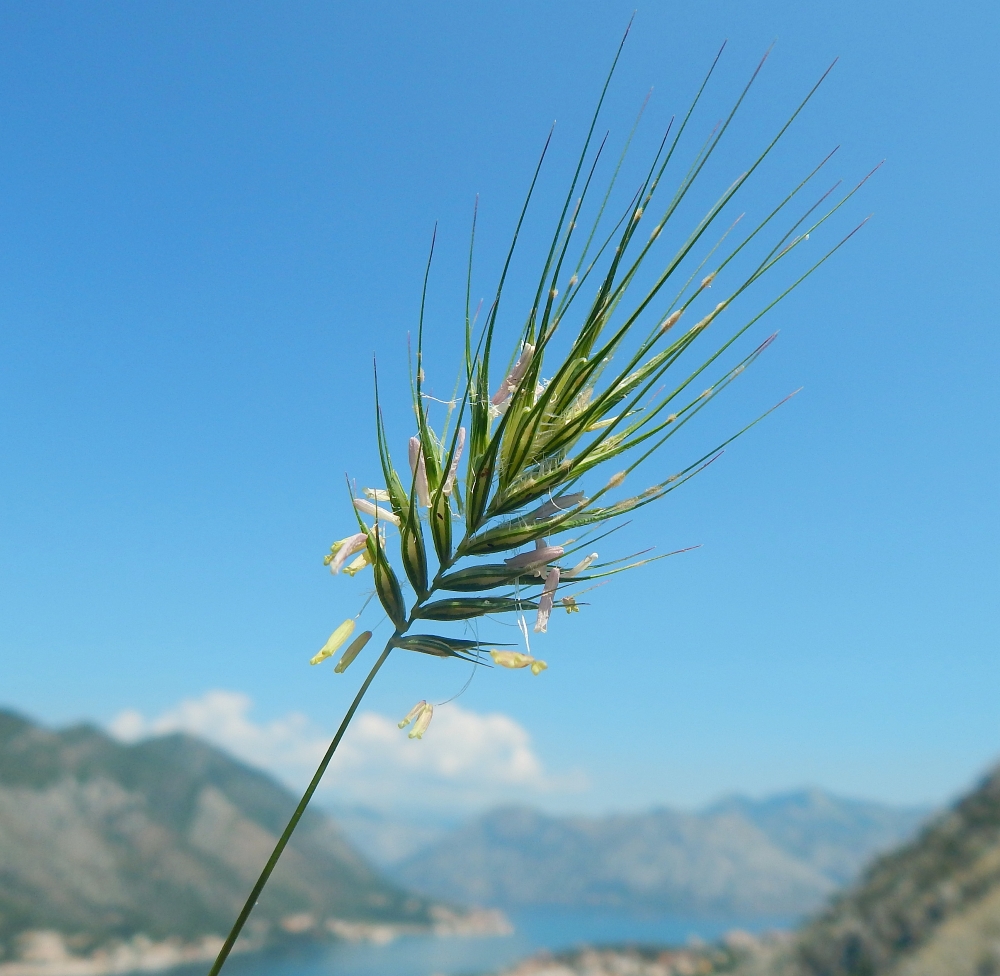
[496, 509]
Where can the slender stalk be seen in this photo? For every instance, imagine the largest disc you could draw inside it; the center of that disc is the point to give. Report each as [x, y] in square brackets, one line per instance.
[272, 861]
[286, 835]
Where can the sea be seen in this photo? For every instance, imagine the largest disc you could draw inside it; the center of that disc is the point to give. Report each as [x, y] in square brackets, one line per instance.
[534, 931]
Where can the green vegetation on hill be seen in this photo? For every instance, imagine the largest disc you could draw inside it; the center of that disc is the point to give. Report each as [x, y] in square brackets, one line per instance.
[930, 908]
[100, 840]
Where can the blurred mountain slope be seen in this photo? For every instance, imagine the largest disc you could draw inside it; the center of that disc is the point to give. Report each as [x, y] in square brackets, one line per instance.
[740, 858]
[930, 908]
[836, 836]
[100, 840]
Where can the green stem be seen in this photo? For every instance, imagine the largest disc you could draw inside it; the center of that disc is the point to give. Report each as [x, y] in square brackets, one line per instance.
[296, 816]
[279, 848]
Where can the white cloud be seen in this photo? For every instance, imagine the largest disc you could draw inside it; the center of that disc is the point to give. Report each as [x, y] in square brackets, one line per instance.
[286, 746]
[467, 759]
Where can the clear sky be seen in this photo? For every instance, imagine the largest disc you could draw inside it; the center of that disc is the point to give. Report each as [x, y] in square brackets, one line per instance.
[212, 214]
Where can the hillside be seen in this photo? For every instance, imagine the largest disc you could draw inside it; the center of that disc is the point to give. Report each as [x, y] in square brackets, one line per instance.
[931, 908]
[741, 858]
[101, 842]
[836, 836]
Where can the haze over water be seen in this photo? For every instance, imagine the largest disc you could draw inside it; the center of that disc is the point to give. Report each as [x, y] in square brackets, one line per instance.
[543, 929]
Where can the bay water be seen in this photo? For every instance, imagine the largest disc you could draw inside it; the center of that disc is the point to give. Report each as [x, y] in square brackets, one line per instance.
[534, 931]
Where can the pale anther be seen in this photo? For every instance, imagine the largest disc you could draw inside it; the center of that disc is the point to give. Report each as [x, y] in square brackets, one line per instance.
[545, 600]
[370, 508]
[419, 471]
[336, 639]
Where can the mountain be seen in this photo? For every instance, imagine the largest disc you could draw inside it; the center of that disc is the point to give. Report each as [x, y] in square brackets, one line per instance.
[387, 839]
[836, 836]
[930, 908]
[102, 842]
[740, 858]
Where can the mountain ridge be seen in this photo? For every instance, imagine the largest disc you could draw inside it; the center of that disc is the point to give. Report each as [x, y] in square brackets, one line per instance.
[928, 908]
[103, 842]
[781, 856]
[824, 828]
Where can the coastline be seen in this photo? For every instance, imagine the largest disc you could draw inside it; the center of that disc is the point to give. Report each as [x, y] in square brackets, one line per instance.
[49, 953]
[46, 953]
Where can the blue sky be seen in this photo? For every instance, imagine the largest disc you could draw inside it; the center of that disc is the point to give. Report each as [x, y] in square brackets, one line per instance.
[212, 215]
